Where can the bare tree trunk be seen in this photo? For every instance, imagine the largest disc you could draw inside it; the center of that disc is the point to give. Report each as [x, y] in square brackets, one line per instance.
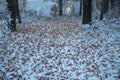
[102, 7]
[60, 7]
[112, 3]
[17, 11]
[14, 14]
[81, 2]
[87, 11]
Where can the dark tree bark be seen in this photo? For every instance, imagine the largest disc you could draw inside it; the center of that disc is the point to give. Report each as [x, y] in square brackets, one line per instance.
[81, 2]
[112, 3]
[17, 10]
[104, 8]
[13, 8]
[60, 7]
[12, 17]
[87, 11]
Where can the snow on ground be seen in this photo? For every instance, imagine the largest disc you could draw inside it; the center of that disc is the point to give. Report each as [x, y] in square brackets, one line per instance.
[61, 50]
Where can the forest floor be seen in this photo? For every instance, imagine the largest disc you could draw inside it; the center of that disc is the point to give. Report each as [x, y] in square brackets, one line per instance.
[56, 49]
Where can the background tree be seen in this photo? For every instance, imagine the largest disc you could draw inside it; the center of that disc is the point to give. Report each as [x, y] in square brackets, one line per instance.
[81, 2]
[60, 7]
[14, 15]
[87, 11]
[17, 11]
[102, 7]
[112, 3]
